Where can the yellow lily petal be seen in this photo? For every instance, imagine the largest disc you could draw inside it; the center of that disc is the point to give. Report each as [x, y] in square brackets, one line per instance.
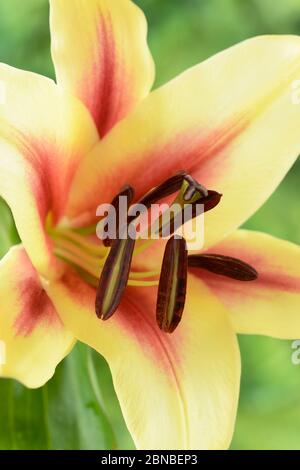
[100, 53]
[176, 391]
[43, 135]
[32, 336]
[271, 304]
[229, 121]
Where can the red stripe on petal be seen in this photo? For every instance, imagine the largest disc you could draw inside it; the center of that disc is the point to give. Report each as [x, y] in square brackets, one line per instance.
[83, 293]
[231, 290]
[271, 277]
[51, 176]
[34, 306]
[270, 274]
[104, 87]
[38, 310]
[135, 318]
[282, 282]
[195, 151]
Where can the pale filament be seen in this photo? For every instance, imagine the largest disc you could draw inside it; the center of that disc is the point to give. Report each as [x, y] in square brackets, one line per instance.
[80, 251]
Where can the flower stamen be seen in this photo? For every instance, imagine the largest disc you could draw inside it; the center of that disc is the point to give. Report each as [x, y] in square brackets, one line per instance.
[191, 196]
[224, 266]
[172, 285]
[193, 189]
[167, 188]
[114, 277]
[83, 242]
[127, 192]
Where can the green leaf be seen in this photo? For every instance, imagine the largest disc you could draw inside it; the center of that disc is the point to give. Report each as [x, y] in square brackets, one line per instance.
[8, 232]
[101, 377]
[67, 413]
[269, 409]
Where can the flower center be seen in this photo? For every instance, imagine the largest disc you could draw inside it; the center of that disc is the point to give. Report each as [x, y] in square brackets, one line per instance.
[108, 266]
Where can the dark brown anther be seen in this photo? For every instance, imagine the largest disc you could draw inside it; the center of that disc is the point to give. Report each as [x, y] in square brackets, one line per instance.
[127, 192]
[168, 187]
[211, 200]
[224, 266]
[172, 285]
[208, 203]
[114, 277]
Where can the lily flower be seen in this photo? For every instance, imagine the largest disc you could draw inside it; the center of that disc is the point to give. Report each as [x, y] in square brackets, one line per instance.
[70, 145]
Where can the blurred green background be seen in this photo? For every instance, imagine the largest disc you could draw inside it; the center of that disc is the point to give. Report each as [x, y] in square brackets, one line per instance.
[78, 409]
